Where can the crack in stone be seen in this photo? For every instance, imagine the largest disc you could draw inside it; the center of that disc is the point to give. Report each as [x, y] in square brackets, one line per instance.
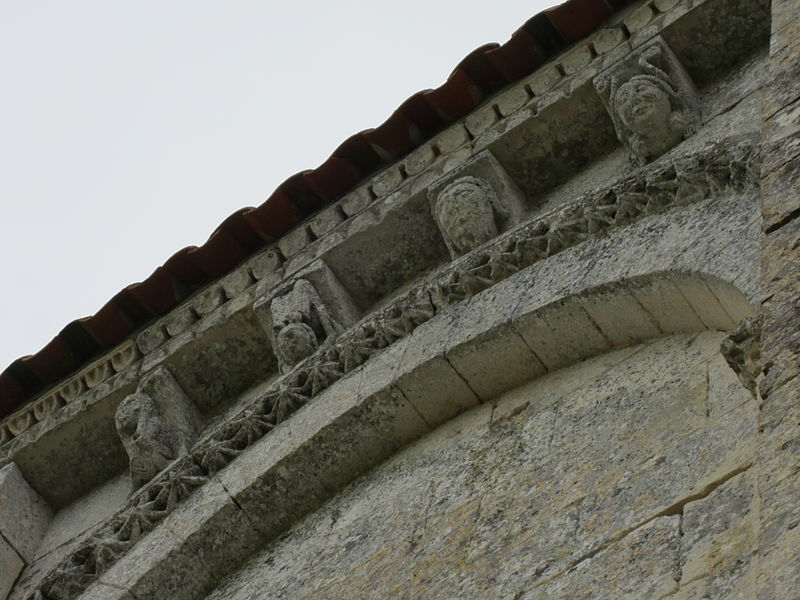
[461, 377]
[673, 510]
[785, 220]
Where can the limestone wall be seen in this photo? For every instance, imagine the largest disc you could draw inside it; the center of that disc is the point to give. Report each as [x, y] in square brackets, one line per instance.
[626, 476]
[396, 401]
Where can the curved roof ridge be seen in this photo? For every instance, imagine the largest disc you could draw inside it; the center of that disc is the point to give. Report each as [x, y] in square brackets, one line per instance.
[481, 73]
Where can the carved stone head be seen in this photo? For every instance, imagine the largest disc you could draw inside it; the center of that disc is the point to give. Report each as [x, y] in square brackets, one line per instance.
[156, 424]
[651, 101]
[300, 321]
[294, 342]
[465, 214]
[144, 437]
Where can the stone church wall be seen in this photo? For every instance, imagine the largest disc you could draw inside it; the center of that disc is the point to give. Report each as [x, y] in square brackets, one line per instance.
[521, 363]
[624, 476]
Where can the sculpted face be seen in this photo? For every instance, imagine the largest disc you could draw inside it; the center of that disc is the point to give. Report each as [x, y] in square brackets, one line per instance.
[465, 215]
[144, 437]
[295, 342]
[643, 106]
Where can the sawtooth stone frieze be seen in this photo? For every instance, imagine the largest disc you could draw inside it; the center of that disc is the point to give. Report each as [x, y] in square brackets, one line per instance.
[717, 169]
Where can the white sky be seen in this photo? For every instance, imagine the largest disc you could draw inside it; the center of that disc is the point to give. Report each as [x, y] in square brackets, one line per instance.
[129, 130]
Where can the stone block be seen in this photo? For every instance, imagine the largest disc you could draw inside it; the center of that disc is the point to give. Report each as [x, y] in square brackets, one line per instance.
[151, 338]
[437, 391]
[561, 334]
[208, 300]
[546, 392]
[781, 190]
[622, 319]
[662, 299]
[24, 515]
[495, 362]
[481, 119]
[10, 567]
[21, 421]
[356, 201]
[785, 14]
[236, 282]
[544, 79]
[778, 575]
[5, 435]
[179, 320]
[317, 249]
[512, 100]
[158, 566]
[785, 123]
[725, 391]
[607, 39]
[214, 530]
[387, 181]
[265, 265]
[452, 138]
[576, 59]
[705, 304]
[323, 447]
[731, 297]
[385, 247]
[783, 86]
[640, 565]
[97, 373]
[420, 159]
[655, 469]
[219, 360]
[720, 537]
[639, 19]
[73, 521]
[294, 241]
[325, 221]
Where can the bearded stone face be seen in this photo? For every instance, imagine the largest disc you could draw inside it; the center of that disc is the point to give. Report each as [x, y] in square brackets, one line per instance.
[643, 106]
[295, 342]
[466, 216]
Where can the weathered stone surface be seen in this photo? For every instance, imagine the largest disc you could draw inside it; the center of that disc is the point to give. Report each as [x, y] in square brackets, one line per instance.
[620, 476]
[72, 521]
[651, 98]
[24, 515]
[474, 203]
[10, 566]
[780, 276]
[641, 565]
[157, 424]
[719, 541]
[484, 508]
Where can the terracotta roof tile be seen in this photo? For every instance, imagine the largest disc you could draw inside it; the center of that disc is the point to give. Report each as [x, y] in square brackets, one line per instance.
[480, 73]
[518, 57]
[578, 18]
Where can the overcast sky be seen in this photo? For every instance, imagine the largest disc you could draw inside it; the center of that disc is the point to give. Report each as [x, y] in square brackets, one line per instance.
[129, 130]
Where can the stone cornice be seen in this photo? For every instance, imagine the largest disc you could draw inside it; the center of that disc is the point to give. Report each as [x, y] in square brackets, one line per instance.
[549, 85]
[717, 170]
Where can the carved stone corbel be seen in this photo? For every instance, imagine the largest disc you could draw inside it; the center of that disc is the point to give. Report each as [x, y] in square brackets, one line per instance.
[157, 424]
[742, 350]
[475, 203]
[300, 316]
[652, 101]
